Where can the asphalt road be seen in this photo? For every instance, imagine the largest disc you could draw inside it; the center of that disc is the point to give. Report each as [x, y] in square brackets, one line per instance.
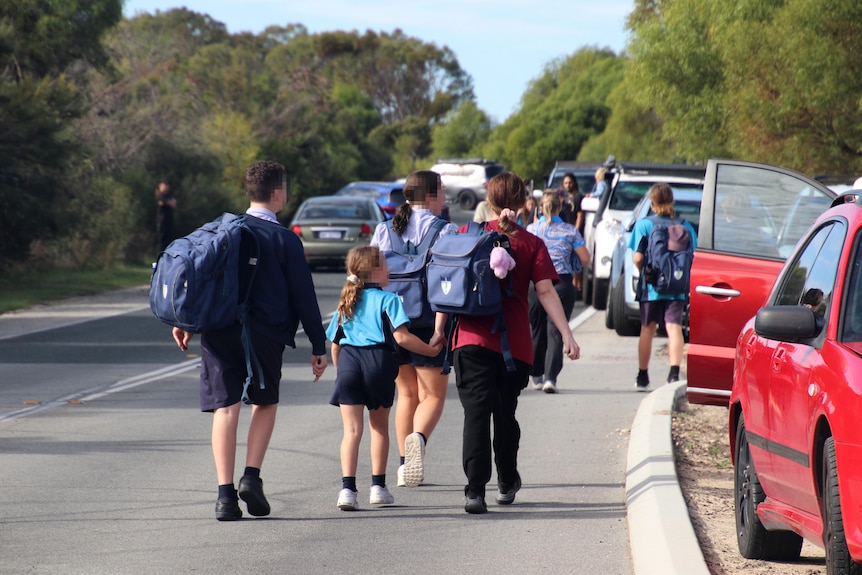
[106, 467]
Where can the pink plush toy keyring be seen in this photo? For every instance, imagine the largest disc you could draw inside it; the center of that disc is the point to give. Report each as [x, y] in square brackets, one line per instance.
[501, 262]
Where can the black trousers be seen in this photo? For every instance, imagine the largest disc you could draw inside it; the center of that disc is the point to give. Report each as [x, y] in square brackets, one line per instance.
[547, 339]
[488, 391]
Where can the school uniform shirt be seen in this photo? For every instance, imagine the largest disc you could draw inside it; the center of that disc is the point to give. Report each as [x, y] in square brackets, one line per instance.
[533, 264]
[366, 327]
[283, 293]
[420, 222]
[561, 240]
[642, 229]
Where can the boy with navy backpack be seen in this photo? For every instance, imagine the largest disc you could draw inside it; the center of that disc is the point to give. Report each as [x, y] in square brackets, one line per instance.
[281, 295]
[663, 247]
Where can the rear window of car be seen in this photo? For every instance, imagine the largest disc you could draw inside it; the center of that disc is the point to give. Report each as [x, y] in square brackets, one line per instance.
[626, 195]
[320, 210]
[359, 191]
[491, 171]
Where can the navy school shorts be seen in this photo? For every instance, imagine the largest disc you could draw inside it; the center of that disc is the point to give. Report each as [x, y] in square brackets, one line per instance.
[662, 311]
[406, 357]
[223, 368]
[366, 376]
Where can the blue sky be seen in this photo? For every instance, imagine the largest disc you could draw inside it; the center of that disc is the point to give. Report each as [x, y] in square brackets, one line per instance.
[502, 44]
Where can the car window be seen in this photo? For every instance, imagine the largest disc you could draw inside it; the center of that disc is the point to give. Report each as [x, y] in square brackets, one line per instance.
[689, 211]
[762, 213]
[491, 171]
[811, 278]
[336, 210]
[627, 195]
[851, 322]
[359, 191]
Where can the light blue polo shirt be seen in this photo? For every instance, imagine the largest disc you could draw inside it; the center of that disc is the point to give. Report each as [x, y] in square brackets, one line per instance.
[366, 326]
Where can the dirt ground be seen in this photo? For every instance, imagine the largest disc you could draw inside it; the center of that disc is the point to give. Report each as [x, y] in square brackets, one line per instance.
[706, 476]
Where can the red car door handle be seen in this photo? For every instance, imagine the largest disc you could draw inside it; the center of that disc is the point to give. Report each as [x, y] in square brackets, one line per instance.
[778, 359]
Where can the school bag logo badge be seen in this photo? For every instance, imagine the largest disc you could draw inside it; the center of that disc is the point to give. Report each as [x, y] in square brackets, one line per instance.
[446, 286]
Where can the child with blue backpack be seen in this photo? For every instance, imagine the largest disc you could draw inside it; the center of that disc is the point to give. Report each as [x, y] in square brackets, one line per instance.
[488, 390]
[659, 308]
[281, 296]
[362, 332]
[421, 384]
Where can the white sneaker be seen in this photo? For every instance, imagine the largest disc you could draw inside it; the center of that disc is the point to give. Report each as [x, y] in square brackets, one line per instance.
[401, 476]
[347, 500]
[414, 460]
[380, 496]
[549, 387]
[537, 383]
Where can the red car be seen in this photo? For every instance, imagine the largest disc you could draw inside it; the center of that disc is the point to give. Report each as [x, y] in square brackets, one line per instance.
[751, 217]
[795, 403]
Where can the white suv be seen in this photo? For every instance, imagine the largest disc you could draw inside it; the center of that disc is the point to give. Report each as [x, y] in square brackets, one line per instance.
[466, 179]
[604, 217]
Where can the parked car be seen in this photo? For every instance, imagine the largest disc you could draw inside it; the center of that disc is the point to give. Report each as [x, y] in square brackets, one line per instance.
[329, 226]
[622, 312]
[751, 217]
[603, 216]
[797, 393]
[466, 179]
[388, 195]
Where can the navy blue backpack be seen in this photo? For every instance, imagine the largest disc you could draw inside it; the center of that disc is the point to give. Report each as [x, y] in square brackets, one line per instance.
[669, 254]
[462, 283]
[407, 264]
[202, 281]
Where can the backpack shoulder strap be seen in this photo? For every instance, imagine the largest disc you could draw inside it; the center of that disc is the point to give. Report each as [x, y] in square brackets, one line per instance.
[475, 228]
[431, 236]
[398, 243]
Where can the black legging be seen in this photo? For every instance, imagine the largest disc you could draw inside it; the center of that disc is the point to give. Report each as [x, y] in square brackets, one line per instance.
[547, 340]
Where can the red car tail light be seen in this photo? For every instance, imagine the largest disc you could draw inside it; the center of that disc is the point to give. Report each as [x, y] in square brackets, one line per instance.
[296, 229]
[365, 230]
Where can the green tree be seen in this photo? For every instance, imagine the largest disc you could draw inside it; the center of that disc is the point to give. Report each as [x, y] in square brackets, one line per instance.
[44, 45]
[766, 81]
[632, 132]
[559, 112]
[463, 133]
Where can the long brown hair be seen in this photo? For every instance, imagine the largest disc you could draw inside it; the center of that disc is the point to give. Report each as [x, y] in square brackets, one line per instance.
[360, 262]
[661, 200]
[506, 190]
[419, 185]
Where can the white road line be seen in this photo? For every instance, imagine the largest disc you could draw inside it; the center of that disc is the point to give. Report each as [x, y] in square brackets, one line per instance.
[103, 390]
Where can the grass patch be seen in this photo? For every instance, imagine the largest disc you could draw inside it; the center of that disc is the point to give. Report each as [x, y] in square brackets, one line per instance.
[20, 290]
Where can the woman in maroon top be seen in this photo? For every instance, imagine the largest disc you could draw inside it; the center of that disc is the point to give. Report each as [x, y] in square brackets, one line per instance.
[485, 387]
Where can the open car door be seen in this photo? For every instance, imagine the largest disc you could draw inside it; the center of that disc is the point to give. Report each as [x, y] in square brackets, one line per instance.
[751, 217]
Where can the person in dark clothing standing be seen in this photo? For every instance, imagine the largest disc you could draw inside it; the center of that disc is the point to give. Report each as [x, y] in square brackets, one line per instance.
[166, 203]
[282, 296]
[572, 214]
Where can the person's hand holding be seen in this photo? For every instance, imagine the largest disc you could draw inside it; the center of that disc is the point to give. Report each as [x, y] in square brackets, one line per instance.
[318, 365]
[437, 338]
[182, 337]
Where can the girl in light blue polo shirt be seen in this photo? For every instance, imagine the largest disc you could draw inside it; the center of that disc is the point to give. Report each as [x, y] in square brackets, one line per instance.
[361, 332]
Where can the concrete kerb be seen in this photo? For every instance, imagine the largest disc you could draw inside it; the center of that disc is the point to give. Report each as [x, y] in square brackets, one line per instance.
[661, 536]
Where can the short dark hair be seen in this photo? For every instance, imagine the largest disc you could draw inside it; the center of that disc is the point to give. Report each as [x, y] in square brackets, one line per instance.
[261, 178]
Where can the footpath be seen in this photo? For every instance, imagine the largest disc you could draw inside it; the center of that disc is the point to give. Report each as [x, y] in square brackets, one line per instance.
[661, 536]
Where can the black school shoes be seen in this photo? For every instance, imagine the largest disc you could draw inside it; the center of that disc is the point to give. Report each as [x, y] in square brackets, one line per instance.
[251, 491]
